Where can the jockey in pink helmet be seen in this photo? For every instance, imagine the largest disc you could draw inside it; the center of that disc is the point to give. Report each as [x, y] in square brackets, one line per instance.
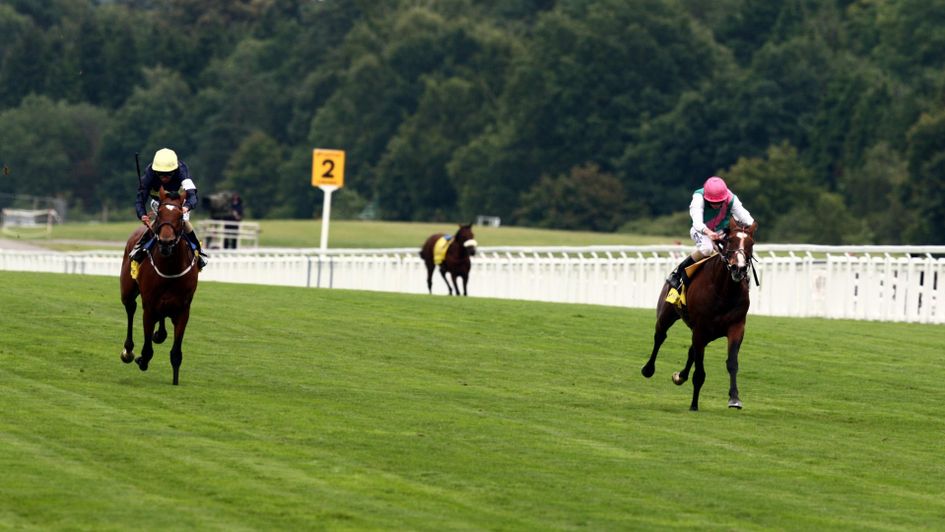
[710, 209]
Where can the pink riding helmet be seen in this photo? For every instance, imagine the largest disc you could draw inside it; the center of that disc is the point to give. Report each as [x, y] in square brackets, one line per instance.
[715, 190]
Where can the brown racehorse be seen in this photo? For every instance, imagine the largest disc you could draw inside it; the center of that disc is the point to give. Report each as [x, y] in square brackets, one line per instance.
[716, 306]
[167, 280]
[457, 263]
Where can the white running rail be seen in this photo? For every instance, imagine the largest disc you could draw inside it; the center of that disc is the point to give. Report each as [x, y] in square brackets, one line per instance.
[888, 283]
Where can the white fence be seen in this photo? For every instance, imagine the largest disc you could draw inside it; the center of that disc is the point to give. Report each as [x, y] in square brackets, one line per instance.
[889, 283]
[227, 234]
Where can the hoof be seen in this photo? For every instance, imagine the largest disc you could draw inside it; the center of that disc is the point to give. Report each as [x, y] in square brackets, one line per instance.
[735, 403]
[693, 408]
[127, 356]
[677, 379]
[143, 364]
[159, 337]
[648, 370]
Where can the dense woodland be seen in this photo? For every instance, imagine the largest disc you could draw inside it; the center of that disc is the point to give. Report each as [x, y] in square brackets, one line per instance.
[826, 117]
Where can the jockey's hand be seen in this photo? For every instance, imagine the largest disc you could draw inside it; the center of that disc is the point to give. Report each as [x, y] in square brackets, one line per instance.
[185, 208]
[713, 236]
[146, 220]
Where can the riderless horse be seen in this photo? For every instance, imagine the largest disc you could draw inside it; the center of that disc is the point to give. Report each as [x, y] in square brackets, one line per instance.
[451, 254]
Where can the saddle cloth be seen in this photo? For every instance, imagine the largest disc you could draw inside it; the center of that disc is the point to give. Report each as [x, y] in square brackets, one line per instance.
[679, 298]
[439, 249]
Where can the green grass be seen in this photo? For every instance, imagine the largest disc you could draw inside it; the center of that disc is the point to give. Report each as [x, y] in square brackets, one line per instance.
[359, 234]
[328, 409]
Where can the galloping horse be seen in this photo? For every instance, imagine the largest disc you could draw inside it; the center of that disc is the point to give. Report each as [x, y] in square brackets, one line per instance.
[717, 304]
[456, 261]
[166, 280]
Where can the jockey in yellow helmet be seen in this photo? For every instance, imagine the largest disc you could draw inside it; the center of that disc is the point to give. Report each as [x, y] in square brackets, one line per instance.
[167, 172]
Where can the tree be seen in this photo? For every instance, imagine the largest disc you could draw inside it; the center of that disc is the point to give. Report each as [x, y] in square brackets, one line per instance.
[24, 64]
[911, 36]
[585, 199]
[772, 187]
[875, 191]
[252, 171]
[243, 100]
[156, 115]
[415, 184]
[748, 27]
[50, 149]
[16, 27]
[926, 160]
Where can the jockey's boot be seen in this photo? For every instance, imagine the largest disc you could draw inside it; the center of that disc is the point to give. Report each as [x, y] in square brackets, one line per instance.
[140, 248]
[678, 278]
[198, 250]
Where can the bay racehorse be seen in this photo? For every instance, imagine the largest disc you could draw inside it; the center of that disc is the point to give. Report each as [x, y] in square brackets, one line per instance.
[166, 280]
[456, 261]
[716, 306]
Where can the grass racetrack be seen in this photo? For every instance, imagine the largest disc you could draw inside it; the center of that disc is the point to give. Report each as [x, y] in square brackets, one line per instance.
[328, 409]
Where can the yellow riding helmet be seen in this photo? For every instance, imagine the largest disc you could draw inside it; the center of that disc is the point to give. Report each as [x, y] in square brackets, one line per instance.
[165, 160]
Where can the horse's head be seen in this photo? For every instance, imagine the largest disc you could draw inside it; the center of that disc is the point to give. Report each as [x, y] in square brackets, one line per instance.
[169, 221]
[464, 237]
[737, 249]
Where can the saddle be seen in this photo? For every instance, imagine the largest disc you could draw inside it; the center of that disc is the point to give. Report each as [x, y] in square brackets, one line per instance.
[439, 249]
[678, 299]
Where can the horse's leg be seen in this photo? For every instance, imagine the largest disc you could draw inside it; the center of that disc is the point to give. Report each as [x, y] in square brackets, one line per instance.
[445, 280]
[735, 335]
[128, 353]
[161, 333]
[465, 278]
[430, 268]
[698, 378]
[147, 350]
[456, 278]
[177, 355]
[681, 377]
[666, 316]
[129, 298]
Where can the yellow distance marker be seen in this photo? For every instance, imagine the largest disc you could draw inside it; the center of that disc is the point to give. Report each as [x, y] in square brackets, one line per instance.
[328, 168]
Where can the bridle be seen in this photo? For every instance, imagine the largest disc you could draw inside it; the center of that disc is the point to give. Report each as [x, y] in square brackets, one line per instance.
[178, 228]
[468, 245]
[737, 260]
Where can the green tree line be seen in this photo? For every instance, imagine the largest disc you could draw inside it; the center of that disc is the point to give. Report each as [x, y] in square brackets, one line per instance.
[826, 117]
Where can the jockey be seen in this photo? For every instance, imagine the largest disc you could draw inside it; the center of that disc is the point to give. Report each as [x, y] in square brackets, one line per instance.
[710, 209]
[168, 172]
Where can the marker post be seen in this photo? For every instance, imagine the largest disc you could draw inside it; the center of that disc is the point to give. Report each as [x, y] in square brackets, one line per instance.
[328, 174]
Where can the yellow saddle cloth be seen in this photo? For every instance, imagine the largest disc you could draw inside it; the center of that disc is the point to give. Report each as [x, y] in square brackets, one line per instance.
[678, 298]
[439, 249]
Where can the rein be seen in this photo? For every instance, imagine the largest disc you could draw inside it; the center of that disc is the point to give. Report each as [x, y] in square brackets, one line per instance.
[178, 235]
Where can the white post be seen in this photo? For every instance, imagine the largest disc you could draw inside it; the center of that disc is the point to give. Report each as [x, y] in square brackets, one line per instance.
[326, 214]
